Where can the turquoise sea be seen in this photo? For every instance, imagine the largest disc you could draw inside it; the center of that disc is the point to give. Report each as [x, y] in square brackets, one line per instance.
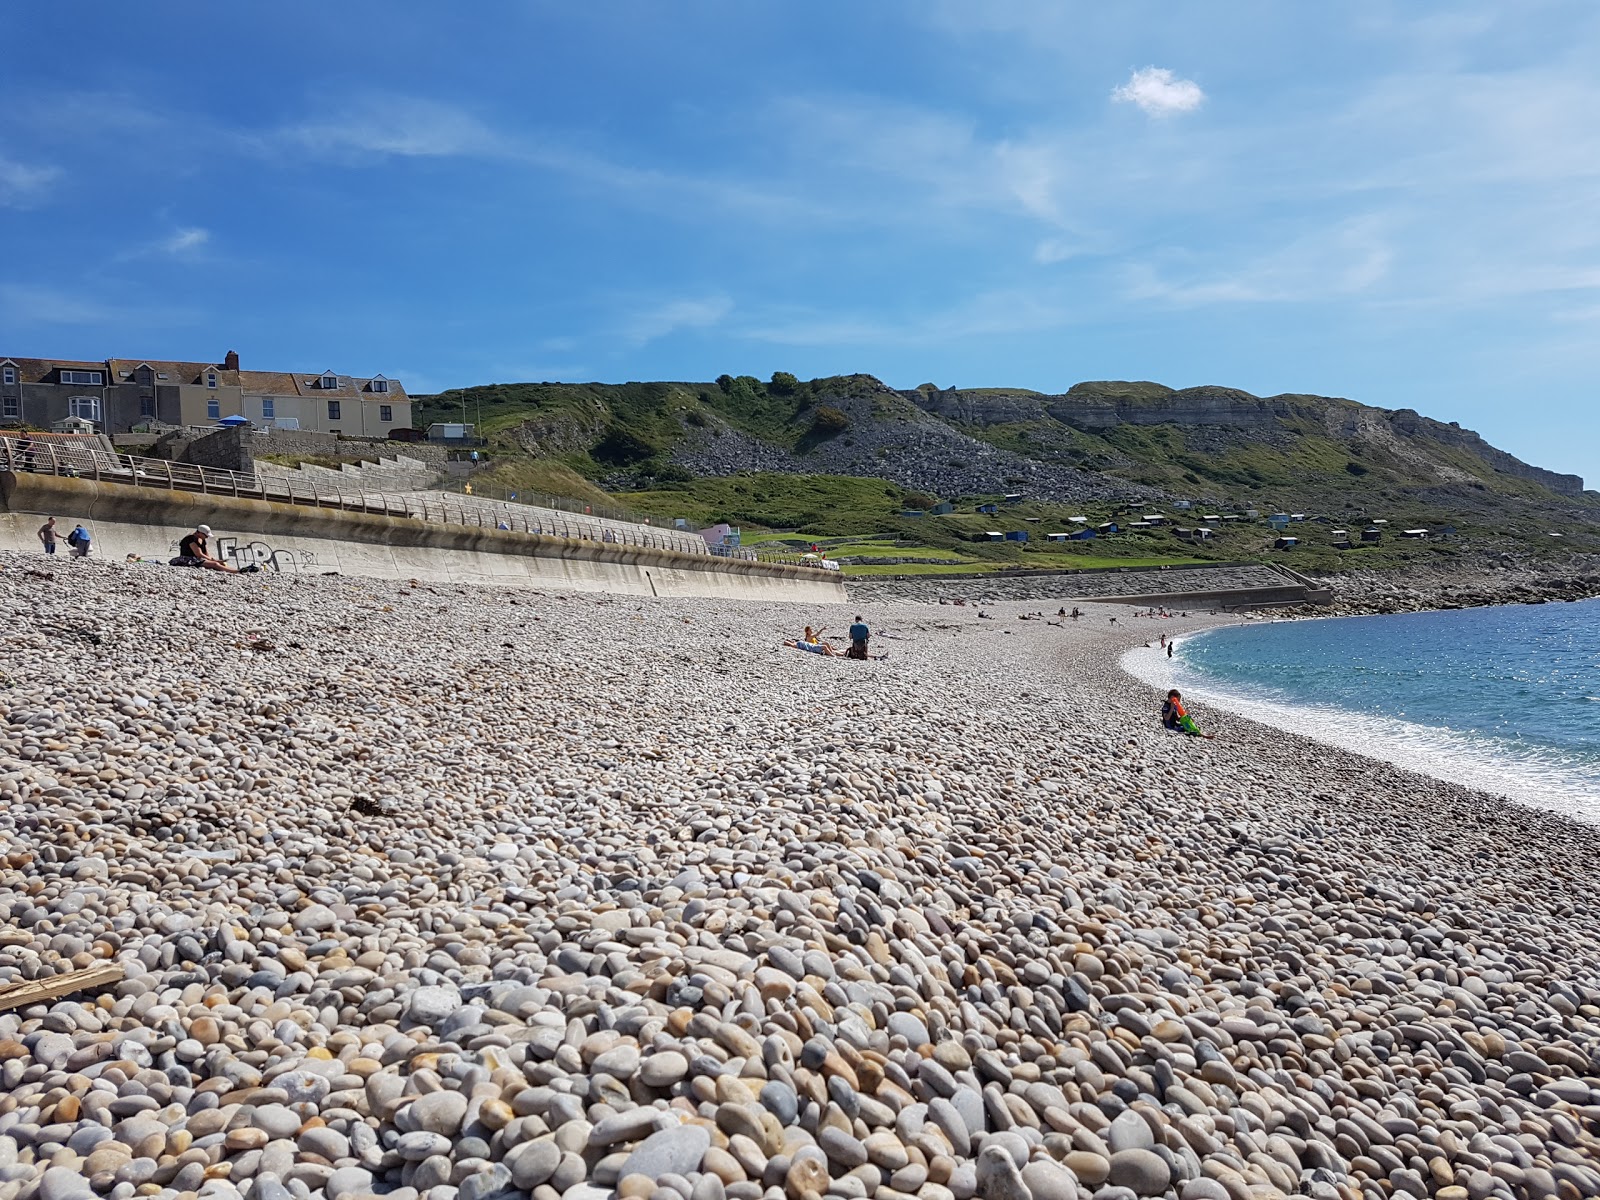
[1506, 699]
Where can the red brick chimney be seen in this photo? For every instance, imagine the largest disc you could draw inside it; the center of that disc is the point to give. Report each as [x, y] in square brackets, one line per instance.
[231, 363]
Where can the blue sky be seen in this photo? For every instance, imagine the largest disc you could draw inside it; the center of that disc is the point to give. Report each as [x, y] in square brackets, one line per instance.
[1394, 202]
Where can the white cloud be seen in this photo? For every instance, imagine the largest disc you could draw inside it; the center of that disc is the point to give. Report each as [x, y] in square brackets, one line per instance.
[674, 315]
[185, 240]
[1349, 259]
[389, 125]
[29, 305]
[22, 185]
[180, 243]
[1159, 92]
[1054, 250]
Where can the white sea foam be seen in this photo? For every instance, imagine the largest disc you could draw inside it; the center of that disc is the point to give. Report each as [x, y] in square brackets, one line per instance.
[1529, 777]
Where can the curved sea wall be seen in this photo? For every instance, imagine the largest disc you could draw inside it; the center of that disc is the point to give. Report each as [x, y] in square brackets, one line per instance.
[298, 539]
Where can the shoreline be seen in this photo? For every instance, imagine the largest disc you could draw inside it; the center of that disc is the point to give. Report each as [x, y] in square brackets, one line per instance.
[438, 892]
[1424, 749]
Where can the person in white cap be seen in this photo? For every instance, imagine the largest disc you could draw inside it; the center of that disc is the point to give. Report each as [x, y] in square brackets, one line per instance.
[195, 551]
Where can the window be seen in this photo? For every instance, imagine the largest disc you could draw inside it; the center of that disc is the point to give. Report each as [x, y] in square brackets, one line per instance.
[147, 406]
[269, 408]
[386, 413]
[11, 407]
[89, 377]
[330, 382]
[9, 375]
[381, 386]
[213, 410]
[211, 379]
[333, 410]
[87, 407]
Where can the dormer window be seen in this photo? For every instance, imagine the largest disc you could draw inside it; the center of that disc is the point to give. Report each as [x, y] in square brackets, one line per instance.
[381, 386]
[8, 375]
[211, 379]
[91, 378]
[330, 382]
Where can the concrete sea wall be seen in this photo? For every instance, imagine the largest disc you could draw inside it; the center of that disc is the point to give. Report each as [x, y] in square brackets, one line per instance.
[289, 538]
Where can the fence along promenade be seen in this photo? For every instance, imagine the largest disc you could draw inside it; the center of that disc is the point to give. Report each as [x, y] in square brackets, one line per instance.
[76, 460]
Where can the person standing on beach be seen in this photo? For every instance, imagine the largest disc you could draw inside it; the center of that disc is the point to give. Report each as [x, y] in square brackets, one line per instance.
[47, 535]
[859, 633]
[1170, 645]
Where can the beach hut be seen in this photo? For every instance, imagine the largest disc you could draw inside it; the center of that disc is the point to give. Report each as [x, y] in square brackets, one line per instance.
[1252, 514]
[1415, 535]
[1081, 535]
[911, 512]
[1279, 521]
[1380, 520]
[941, 509]
[993, 535]
[1016, 535]
[1371, 534]
[1154, 519]
[1013, 497]
[1185, 505]
[987, 508]
[1057, 537]
[1079, 520]
[1286, 543]
[1108, 529]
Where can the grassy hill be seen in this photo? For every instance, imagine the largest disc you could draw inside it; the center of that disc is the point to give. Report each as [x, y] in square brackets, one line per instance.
[842, 457]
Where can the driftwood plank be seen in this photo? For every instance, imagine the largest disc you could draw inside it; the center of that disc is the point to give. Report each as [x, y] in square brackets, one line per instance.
[35, 991]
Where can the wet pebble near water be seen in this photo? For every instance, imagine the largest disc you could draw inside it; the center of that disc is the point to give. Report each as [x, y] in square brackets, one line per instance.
[466, 894]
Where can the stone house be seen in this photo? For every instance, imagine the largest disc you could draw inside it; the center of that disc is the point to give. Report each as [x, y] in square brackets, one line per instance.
[119, 394]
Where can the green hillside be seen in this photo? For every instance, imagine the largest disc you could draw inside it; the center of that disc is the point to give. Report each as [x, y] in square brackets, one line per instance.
[843, 457]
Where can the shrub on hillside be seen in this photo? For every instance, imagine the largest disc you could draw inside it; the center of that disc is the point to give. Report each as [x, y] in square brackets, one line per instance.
[829, 421]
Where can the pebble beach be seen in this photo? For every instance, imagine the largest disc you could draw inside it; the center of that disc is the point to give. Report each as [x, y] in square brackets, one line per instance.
[445, 893]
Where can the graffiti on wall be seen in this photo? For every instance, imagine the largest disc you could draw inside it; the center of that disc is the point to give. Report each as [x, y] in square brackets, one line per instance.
[260, 554]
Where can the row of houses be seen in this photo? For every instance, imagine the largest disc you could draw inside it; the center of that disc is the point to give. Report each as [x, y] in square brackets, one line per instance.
[117, 395]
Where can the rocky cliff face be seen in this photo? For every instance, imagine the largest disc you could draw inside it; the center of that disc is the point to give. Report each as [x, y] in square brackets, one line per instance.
[1412, 424]
[1098, 407]
[1197, 406]
[904, 443]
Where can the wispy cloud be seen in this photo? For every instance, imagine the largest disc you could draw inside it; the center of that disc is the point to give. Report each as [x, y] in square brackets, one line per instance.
[185, 240]
[183, 243]
[21, 185]
[371, 128]
[25, 306]
[1159, 92]
[1346, 260]
[381, 126]
[674, 315]
[1000, 312]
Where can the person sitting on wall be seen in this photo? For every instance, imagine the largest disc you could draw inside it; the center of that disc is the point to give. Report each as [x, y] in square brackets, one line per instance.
[195, 551]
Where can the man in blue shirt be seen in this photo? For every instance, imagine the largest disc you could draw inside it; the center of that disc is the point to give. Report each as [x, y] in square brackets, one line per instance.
[859, 633]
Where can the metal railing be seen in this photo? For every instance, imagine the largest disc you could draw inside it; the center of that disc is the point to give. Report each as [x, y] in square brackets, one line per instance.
[23, 454]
